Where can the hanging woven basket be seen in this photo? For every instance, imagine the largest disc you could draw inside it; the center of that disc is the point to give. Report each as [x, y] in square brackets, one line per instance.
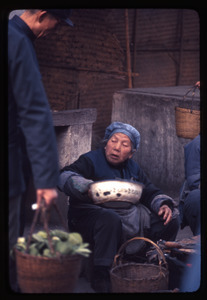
[47, 275]
[187, 120]
[38, 274]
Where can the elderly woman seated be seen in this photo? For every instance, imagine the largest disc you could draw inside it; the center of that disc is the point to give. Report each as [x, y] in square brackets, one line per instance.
[106, 228]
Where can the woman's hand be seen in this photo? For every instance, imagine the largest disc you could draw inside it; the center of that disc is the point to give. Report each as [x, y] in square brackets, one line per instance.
[166, 213]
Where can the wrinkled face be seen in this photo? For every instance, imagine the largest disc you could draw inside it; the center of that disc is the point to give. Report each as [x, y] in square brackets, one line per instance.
[118, 149]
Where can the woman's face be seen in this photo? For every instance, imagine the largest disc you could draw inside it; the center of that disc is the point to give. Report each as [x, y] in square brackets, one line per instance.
[118, 149]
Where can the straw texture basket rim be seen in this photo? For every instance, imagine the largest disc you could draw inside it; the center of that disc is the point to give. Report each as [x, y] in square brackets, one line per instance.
[52, 259]
[187, 122]
[187, 110]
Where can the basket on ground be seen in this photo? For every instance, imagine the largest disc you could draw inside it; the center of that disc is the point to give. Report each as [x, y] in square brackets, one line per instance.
[136, 277]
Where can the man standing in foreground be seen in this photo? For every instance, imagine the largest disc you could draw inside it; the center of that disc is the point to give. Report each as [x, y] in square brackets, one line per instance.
[30, 122]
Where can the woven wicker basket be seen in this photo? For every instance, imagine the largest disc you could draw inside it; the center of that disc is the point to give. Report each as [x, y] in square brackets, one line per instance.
[187, 120]
[47, 275]
[138, 278]
[37, 274]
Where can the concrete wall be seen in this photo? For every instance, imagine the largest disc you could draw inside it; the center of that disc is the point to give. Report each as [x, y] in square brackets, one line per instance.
[74, 136]
[152, 112]
[74, 133]
[83, 66]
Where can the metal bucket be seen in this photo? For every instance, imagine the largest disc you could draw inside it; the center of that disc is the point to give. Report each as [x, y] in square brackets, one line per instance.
[116, 191]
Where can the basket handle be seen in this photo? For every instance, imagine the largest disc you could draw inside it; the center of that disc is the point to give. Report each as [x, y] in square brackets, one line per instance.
[123, 246]
[45, 218]
[193, 89]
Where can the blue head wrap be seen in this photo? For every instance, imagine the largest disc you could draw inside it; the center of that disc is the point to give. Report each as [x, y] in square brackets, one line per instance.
[127, 129]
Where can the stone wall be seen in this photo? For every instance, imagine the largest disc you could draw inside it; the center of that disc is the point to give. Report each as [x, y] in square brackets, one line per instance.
[74, 136]
[152, 112]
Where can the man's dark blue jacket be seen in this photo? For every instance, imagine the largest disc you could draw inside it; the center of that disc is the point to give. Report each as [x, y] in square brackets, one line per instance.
[192, 163]
[29, 113]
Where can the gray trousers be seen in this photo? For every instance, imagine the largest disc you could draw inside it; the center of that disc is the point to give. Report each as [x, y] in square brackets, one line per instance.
[102, 228]
[191, 211]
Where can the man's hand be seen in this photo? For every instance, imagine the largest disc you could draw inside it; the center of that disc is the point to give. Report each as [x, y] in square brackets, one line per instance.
[166, 212]
[49, 196]
[197, 84]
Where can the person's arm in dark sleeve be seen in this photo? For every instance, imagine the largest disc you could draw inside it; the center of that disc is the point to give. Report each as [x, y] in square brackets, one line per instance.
[34, 114]
[192, 163]
[74, 180]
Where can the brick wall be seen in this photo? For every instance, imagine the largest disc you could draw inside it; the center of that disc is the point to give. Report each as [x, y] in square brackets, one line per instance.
[83, 66]
[158, 41]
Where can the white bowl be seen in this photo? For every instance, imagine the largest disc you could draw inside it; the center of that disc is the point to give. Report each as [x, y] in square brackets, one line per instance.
[116, 190]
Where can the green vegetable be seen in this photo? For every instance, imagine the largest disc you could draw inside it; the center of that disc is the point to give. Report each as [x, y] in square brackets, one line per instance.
[59, 233]
[33, 249]
[75, 238]
[41, 246]
[64, 243]
[47, 253]
[42, 234]
[21, 244]
[55, 238]
[21, 247]
[64, 248]
[37, 238]
[83, 250]
[21, 240]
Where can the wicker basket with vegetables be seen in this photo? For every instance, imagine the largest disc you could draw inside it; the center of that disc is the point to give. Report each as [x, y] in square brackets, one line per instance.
[49, 261]
[63, 243]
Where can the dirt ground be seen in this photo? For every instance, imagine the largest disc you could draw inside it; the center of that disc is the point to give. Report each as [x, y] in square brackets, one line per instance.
[83, 285]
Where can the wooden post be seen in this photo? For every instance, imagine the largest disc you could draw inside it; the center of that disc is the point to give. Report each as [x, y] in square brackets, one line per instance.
[135, 42]
[129, 71]
[179, 67]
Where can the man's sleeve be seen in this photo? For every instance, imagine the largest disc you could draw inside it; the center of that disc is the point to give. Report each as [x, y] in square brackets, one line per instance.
[192, 163]
[34, 114]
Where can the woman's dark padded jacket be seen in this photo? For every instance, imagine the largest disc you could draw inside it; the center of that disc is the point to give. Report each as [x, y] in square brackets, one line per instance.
[94, 165]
